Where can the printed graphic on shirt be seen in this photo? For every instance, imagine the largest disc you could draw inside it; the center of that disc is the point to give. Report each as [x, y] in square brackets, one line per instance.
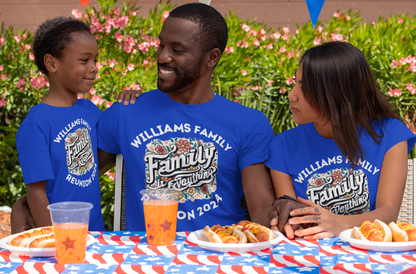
[341, 191]
[79, 154]
[185, 165]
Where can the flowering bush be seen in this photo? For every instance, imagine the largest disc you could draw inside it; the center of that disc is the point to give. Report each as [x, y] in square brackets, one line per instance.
[255, 70]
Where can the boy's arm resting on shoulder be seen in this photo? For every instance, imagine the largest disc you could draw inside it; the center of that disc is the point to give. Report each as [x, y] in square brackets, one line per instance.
[106, 160]
[128, 95]
[38, 202]
[21, 219]
[258, 191]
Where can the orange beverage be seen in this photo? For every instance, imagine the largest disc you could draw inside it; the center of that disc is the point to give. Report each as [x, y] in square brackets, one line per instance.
[70, 242]
[161, 219]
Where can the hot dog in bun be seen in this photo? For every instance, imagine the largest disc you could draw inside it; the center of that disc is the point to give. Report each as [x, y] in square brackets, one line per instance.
[376, 231]
[226, 235]
[403, 232]
[255, 232]
[38, 237]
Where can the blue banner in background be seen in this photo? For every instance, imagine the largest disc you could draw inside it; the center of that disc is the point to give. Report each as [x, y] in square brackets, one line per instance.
[314, 8]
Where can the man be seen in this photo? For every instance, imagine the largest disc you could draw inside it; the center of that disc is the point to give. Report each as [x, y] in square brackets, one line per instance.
[184, 137]
[187, 138]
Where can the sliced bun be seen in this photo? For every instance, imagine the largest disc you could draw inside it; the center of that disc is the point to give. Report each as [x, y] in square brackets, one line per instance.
[379, 225]
[388, 237]
[399, 235]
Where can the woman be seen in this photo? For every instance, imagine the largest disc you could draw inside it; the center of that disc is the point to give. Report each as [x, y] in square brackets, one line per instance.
[347, 159]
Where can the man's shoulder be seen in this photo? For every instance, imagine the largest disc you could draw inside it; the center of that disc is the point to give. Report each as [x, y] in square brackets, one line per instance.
[238, 109]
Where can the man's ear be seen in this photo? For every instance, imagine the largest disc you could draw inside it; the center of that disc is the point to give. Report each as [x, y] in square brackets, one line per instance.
[50, 63]
[213, 57]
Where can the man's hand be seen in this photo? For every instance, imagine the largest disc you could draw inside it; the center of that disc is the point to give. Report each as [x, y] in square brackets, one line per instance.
[127, 95]
[21, 217]
[279, 216]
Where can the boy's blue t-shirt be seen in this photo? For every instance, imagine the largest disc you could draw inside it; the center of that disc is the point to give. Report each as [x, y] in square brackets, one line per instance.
[199, 150]
[322, 174]
[59, 145]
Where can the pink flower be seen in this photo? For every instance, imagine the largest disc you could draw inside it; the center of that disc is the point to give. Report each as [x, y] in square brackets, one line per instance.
[256, 43]
[239, 43]
[165, 15]
[316, 41]
[1, 41]
[245, 44]
[112, 63]
[135, 86]
[283, 49]
[282, 90]
[394, 63]
[27, 46]
[109, 104]
[2, 102]
[3, 77]
[270, 83]
[77, 14]
[411, 88]
[409, 59]
[262, 32]
[93, 91]
[116, 11]
[275, 35]
[17, 38]
[245, 27]
[97, 100]
[130, 67]
[336, 14]
[39, 82]
[270, 46]
[403, 61]
[244, 72]
[348, 17]
[110, 175]
[400, 21]
[412, 67]
[1, 67]
[118, 36]
[20, 84]
[289, 81]
[31, 56]
[286, 30]
[394, 92]
[291, 54]
[320, 28]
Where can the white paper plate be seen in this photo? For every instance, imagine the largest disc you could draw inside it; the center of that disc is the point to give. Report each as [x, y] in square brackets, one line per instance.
[35, 251]
[377, 246]
[198, 237]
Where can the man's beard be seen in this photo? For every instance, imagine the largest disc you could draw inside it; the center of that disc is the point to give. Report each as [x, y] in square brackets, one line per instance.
[182, 80]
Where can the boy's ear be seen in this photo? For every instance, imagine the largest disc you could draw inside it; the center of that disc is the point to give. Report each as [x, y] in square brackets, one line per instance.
[213, 57]
[50, 63]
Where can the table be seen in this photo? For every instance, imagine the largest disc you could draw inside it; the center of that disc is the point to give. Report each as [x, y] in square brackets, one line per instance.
[128, 252]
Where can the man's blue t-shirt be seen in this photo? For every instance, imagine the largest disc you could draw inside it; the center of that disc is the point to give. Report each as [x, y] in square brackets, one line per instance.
[199, 150]
[59, 145]
[322, 174]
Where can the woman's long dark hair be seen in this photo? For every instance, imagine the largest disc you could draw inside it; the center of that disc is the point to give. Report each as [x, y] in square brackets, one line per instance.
[338, 83]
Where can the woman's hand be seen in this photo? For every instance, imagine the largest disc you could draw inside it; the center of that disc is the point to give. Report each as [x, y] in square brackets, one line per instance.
[324, 224]
[127, 95]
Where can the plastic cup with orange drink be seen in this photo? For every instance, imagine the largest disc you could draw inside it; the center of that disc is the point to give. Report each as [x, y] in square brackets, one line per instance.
[70, 225]
[160, 214]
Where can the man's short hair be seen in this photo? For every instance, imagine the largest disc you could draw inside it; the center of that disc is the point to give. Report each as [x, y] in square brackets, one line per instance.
[212, 25]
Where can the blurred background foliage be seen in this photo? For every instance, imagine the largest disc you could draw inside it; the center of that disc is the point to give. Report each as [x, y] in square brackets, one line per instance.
[255, 70]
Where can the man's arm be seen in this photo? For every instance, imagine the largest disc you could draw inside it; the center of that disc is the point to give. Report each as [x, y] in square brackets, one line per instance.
[38, 202]
[106, 161]
[21, 219]
[258, 191]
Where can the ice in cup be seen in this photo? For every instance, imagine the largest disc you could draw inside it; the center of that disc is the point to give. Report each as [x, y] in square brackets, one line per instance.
[70, 225]
[160, 214]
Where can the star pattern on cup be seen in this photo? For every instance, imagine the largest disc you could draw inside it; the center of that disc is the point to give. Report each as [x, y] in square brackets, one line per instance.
[166, 225]
[69, 243]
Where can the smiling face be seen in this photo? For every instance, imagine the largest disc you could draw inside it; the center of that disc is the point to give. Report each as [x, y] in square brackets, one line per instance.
[179, 55]
[76, 71]
[302, 111]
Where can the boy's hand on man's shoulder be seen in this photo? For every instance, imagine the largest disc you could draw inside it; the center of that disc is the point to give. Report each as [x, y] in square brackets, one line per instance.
[128, 95]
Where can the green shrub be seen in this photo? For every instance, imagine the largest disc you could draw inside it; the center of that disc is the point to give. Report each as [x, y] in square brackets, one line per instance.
[256, 70]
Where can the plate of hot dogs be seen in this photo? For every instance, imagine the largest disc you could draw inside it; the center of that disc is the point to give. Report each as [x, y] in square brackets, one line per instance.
[378, 236]
[242, 237]
[37, 242]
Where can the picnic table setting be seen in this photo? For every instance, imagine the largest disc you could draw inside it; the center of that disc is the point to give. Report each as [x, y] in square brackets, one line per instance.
[130, 252]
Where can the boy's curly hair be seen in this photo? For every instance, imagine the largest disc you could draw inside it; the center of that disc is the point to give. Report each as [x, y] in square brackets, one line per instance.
[53, 36]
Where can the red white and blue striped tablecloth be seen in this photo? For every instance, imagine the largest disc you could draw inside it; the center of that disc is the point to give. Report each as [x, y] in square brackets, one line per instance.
[128, 252]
